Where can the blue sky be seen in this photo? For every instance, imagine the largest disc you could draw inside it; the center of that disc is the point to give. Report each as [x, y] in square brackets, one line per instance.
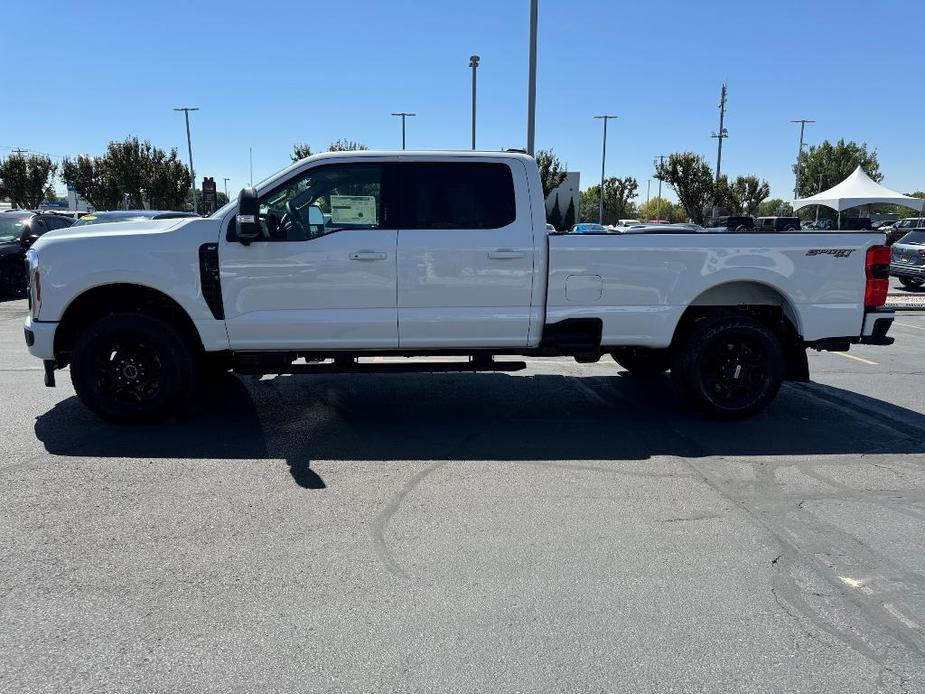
[266, 75]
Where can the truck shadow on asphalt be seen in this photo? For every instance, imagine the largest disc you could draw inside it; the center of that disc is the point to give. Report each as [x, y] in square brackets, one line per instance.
[491, 416]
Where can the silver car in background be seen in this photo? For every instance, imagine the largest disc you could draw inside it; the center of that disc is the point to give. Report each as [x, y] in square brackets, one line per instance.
[907, 262]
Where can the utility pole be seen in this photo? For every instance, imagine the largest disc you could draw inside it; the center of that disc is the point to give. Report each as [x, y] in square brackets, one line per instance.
[474, 64]
[250, 151]
[720, 136]
[403, 115]
[659, 160]
[796, 183]
[531, 94]
[648, 186]
[189, 144]
[600, 209]
[226, 186]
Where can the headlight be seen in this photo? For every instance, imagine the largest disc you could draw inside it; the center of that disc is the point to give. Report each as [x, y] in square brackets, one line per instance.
[35, 282]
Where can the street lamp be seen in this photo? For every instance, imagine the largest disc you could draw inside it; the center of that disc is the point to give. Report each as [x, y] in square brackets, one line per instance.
[403, 115]
[531, 93]
[226, 187]
[796, 183]
[600, 211]
[474, 64]
[189, 144]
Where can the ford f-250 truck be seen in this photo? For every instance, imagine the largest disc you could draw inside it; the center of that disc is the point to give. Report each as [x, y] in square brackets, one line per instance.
[345, 256]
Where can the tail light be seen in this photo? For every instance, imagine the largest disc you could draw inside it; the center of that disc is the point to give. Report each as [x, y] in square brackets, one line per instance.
[877, 269]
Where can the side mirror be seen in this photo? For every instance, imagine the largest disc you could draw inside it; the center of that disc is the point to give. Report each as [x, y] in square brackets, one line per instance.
[28, 240]
[246, 221]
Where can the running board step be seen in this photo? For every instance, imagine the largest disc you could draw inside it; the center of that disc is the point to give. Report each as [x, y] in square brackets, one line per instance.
[382, 367]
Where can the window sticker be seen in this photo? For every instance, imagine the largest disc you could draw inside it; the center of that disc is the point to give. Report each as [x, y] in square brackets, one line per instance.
[353, 209]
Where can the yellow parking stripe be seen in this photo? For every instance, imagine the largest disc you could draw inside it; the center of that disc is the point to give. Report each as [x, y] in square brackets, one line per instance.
[860, 359]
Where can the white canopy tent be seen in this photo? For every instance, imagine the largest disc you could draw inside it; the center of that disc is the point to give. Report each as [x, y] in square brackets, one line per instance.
[858, 189]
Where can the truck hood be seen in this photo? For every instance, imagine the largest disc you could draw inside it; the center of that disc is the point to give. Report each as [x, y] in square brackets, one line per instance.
[133, 228]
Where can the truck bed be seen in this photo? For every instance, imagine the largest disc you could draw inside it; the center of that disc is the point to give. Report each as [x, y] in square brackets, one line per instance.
[641, 284]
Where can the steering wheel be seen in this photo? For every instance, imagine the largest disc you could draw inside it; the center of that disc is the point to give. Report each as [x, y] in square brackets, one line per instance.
[292, 221]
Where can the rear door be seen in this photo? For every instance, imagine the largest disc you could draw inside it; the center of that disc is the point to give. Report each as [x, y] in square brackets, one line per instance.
[465, 254]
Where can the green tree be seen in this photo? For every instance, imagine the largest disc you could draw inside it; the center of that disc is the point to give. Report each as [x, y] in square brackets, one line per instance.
[92, 180]
[618, 196]
[741, 196]
[300, 151]
[569, 220]
[834, 163]
[25, 178]
[346, 146]
[775, 207]
[552, 171]
[555, 216]
[660, 208]
[691, 178]
[132, 171]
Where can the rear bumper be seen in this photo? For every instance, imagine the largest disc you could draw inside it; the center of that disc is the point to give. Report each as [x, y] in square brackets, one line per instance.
[914, 271]
[877, 323]
[40, 338]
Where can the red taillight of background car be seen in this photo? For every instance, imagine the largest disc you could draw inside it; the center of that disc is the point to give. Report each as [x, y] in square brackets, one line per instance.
[877, 269]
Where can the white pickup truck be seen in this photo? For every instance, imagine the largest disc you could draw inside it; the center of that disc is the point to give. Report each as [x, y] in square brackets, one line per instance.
[346, 256]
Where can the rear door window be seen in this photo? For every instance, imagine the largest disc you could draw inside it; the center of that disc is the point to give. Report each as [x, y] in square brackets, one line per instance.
[449, 195]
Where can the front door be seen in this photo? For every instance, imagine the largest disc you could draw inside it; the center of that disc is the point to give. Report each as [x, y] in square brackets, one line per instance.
[465, 255]
[324, 274]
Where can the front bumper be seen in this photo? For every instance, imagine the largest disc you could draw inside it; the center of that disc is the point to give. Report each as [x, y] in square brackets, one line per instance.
[903, 270]
[40, 338]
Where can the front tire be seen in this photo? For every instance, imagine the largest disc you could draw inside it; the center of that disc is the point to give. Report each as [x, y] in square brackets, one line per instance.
[132, 369]
[641, 361]
[729, 367]
[910, 282]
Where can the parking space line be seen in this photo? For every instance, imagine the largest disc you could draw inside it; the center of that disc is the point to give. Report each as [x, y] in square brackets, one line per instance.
[909, 325]
[860, 359]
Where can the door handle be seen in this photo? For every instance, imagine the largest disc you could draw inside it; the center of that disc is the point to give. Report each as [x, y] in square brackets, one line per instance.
[505, 253]
[368, 255]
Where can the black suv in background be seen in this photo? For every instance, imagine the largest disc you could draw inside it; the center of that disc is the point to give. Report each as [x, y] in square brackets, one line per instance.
[19, 229]
[778, 224]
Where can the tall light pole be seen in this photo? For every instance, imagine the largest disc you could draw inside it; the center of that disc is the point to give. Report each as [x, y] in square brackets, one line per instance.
[403, 115]
[600, 208]
[474, 64]
[189, 144]
[250, 154]
[721, 135]
[796, 182]
[659, 159]
[226, 187]
[531, 94]
[648, 185]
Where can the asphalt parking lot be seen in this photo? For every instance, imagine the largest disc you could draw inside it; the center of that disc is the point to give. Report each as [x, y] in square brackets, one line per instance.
[566, 528]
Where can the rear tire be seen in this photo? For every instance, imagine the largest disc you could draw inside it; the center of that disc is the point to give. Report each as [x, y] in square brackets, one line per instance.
[910, 282]
[641, 361]
[132, 369]
[729, 367]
